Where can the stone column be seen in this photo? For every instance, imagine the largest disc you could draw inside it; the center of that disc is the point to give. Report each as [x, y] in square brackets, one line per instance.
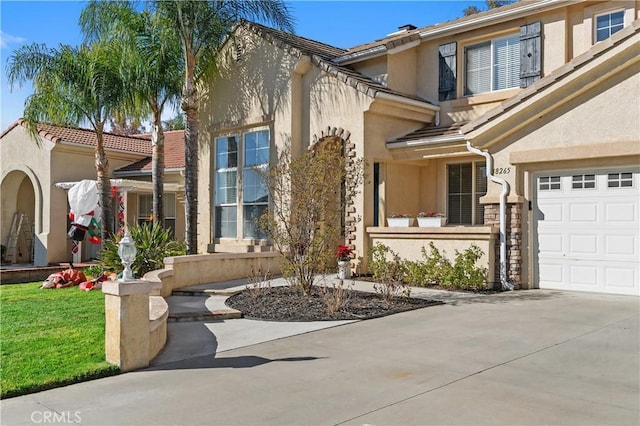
[513, 239]
[127, 323]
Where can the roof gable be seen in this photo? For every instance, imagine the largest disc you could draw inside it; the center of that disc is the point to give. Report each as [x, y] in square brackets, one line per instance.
[323, 57]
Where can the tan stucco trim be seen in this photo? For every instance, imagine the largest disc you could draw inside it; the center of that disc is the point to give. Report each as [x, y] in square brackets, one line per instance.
[612, 149]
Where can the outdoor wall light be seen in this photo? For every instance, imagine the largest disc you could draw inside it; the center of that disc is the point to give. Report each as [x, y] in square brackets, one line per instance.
[127, 252]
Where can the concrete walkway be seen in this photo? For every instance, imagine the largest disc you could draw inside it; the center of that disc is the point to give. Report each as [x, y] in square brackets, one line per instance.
[528, 357]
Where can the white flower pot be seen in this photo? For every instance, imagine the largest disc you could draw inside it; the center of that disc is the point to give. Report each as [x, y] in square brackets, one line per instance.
[344, 269]
[402, 222]
[431, 222]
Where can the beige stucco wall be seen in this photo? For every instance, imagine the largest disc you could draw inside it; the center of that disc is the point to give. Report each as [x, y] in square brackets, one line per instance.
[44, 166]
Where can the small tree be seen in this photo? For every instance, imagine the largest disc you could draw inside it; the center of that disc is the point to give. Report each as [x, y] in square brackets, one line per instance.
[309, 195]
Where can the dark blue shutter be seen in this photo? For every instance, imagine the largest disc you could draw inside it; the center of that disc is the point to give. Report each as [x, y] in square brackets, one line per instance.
[530, 53]
[447, 60]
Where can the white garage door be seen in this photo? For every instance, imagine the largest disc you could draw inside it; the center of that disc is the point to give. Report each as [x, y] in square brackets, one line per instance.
[588, 231]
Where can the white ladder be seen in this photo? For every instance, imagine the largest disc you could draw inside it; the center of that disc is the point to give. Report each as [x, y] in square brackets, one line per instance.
[20, 239]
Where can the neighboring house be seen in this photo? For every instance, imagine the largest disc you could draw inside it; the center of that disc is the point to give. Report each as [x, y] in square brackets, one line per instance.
[548, 90]
[34, 176]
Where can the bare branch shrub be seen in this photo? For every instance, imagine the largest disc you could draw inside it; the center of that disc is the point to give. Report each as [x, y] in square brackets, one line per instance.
[259, 282]
[336, 297]
[308, 195]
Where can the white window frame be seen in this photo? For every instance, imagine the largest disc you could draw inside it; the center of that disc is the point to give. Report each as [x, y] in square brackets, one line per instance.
[607, 13]
[515, 38]
[239, 202]
[586, 181]
[550, 183]
[475, 205]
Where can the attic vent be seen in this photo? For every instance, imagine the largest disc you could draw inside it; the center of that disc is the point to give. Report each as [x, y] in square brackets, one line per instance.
[238, 51]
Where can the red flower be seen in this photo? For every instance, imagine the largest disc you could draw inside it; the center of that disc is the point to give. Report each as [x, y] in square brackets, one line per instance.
[94, 239]
[344, 253]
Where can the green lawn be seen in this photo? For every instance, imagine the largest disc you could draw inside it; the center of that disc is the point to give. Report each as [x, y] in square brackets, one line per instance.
[49, 338]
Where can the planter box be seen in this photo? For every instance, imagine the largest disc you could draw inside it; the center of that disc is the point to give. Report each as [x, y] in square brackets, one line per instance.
[401, 222]
[431, 222]
[344, 269]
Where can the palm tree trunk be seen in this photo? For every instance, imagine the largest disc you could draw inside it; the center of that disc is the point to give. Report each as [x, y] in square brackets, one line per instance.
[190, 107]
[104, 185]
[157, 169]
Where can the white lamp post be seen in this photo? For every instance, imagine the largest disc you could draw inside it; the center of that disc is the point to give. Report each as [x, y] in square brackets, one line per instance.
[127, 252]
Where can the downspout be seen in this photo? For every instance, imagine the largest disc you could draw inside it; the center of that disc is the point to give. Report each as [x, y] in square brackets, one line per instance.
[506, 285]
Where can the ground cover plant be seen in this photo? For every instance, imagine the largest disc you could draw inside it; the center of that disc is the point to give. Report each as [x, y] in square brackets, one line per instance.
[50, 338]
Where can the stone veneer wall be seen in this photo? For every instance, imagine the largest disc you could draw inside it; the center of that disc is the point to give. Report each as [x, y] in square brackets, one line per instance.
[513, 238]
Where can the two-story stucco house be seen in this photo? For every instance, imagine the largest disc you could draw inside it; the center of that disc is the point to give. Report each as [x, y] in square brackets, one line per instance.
[520, 124]
[36, 174]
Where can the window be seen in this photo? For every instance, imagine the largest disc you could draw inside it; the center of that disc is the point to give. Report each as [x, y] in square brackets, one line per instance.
[548, 183]
[491, 66]
[583, 182]
[240, 194]
[145, 210]
[620, 180]
[466, 183]
[608, 24]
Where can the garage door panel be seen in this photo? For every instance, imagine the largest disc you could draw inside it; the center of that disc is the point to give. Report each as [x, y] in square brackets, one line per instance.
[625, 245]
[583, 213]
[588, 231]
[620, 278]
[624, 213]
[551, 212]
[551, 243]
[583, 244]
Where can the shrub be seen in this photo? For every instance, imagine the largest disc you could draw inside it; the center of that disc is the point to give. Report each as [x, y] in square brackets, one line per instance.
[153, 242]
[336, 297]
[389, 273]
[434, 270]
[259, 282]
[464, 274]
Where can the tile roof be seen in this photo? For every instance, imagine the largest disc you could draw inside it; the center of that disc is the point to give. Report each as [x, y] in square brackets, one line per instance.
[173, 155]
[74, 135]
[323, 56]
[431, 132]
[403, 37]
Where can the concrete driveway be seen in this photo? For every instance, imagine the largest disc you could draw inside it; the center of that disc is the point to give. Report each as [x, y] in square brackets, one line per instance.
[527, 357]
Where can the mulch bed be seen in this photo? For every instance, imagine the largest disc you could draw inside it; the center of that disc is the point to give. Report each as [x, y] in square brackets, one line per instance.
[289, 304]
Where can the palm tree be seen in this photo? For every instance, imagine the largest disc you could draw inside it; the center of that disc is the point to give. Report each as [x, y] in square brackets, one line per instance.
[73, 86]
[151, 68]
[202, 27]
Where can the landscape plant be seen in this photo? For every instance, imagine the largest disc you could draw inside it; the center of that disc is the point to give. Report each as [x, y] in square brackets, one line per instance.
[153, 242]
[389, 271]
[435, 269]
[259, 282]
[309, 195]
[336, 296]
[50, 338]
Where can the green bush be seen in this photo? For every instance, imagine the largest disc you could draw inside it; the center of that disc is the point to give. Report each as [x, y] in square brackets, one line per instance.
[153, 242]
[435, 269]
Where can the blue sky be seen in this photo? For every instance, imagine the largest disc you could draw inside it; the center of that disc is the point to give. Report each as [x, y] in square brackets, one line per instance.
[339, 23]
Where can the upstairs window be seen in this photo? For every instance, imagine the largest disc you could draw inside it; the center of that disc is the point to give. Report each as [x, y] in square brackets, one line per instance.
[608, 24]
[492, 66]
